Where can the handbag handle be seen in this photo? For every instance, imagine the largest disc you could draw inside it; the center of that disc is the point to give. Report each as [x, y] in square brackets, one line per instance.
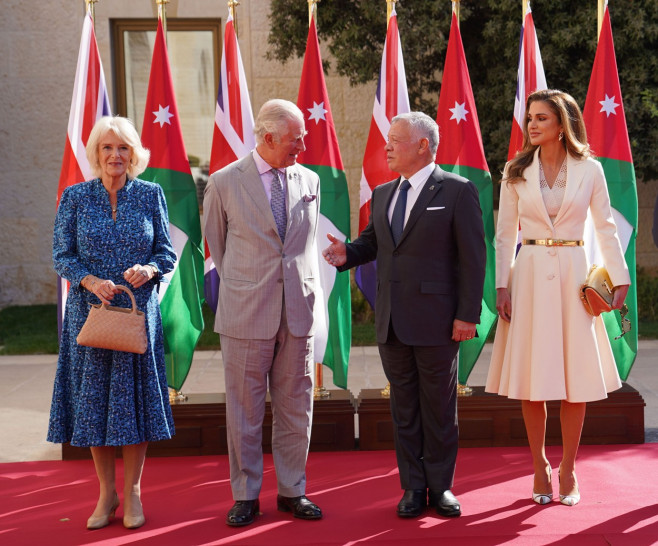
[130, 294]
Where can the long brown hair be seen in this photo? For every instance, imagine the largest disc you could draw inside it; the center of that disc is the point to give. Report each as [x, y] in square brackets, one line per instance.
[569, 116]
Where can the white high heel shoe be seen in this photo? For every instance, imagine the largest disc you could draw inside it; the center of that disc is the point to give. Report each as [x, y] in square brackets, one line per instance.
[543, 498]
[573, 498]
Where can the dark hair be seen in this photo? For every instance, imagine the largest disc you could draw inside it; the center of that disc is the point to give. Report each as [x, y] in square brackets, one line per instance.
[569, 116]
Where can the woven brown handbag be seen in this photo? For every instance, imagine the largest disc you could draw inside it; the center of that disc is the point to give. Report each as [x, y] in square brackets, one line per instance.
[115, 328]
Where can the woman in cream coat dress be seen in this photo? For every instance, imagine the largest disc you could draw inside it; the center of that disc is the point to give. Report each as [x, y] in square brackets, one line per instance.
[547, 347]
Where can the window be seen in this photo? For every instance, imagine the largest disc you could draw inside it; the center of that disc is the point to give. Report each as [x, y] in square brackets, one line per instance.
[193, 46]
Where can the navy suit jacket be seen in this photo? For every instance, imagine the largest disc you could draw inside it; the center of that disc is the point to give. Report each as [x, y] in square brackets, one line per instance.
[436, 272]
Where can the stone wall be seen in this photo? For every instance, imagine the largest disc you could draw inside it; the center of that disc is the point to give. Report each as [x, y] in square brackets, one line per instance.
[38, 53]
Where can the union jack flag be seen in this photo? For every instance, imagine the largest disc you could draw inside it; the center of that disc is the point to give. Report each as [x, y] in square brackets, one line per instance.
[233, 136]
[90, 102]
[391, 99]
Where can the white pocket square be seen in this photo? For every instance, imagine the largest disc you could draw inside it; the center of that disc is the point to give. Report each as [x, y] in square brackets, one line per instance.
[435, 208]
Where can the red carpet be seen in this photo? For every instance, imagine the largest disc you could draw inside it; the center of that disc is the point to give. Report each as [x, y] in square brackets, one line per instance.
[186, 500]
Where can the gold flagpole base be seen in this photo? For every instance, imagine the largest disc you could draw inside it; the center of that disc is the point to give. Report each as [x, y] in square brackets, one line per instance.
[319, 391]
[386, 391]
[176, 396]
[464, 390]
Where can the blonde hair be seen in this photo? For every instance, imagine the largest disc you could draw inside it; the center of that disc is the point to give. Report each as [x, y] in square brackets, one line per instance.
[570, 118]
[273, 118]
[123, 129]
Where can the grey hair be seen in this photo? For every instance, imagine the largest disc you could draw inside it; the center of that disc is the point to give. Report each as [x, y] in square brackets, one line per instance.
[124, 130]
[273, 118]
[422, 126]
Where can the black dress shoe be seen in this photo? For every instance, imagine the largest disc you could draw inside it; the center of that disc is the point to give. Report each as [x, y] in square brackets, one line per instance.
[412, 504]
[242, 513]
[300, 507]
[446, 503]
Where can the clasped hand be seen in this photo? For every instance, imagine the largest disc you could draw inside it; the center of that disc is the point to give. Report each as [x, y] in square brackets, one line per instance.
[105, 289]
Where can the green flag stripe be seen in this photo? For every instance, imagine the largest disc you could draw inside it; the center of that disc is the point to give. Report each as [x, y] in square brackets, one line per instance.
[620, 176]
[469, 351]
[334, 197]
[339, 338]
[182, 203]
[182, 320]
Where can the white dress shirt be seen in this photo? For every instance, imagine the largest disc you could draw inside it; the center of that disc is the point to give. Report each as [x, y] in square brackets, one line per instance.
[417, 182]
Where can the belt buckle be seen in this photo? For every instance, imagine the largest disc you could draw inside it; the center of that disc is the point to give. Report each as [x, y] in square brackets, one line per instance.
[551, 242]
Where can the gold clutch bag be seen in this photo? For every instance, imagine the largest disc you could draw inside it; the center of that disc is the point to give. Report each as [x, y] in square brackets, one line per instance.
[597, 293]
[115, 328]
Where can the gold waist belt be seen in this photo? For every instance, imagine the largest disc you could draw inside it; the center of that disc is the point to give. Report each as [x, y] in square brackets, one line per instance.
[552, 242]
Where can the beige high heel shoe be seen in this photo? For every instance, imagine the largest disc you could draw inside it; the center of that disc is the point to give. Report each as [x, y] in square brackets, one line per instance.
[98, 522]
[543, 498]
[134, 522]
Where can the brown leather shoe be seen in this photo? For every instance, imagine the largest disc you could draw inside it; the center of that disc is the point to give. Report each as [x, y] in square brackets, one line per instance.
[242, 513]
[300, 507]
[446, 503]
[413, 503]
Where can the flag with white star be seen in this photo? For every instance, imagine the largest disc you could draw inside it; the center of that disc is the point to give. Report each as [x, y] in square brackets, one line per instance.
[181, 294]
[607, 133]
[333, 312]
[461, 152]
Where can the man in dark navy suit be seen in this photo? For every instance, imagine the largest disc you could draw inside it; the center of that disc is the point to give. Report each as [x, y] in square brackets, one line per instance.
[426, 233]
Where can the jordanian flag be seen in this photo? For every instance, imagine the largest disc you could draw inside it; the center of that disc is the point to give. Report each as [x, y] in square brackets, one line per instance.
[461, 152]
[608, 137]
[333, 333]
[181, 296]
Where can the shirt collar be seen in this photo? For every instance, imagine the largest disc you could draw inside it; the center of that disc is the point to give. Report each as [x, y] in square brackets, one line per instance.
[419, 177]
[262, 165]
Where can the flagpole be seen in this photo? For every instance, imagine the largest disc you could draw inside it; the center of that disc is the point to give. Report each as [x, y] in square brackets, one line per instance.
[525, 8]
[312, 11]
[390, 6]
[319, 391]
[92, 11]
[232, 4]
[162, 14]
[455, 9]
[174, 394]
[601, 12]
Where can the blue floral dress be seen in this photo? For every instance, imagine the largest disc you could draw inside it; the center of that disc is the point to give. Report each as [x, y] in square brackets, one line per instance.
[102, 397]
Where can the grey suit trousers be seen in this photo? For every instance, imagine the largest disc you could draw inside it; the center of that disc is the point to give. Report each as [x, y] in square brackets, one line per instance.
[285, 362]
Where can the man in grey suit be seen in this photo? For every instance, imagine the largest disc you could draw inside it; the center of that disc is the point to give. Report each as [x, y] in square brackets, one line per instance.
[261, 214]
[426, 233]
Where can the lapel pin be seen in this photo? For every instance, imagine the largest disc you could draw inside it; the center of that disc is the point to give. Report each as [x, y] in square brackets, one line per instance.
[431, 187]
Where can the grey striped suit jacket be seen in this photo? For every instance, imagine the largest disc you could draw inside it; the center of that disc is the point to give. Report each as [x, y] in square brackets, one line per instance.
[254, 266]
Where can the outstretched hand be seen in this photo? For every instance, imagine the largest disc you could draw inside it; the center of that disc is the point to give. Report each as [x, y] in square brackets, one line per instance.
[335, 254]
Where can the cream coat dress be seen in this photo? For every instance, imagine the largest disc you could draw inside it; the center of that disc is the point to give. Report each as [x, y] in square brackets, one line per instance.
[553, 349]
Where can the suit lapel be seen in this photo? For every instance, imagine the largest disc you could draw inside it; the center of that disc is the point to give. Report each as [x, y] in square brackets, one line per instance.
[387, 191]
[531, 189]
[430, 189]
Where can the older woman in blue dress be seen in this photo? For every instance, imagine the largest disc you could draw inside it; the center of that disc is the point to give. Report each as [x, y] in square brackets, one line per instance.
[109, 231]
